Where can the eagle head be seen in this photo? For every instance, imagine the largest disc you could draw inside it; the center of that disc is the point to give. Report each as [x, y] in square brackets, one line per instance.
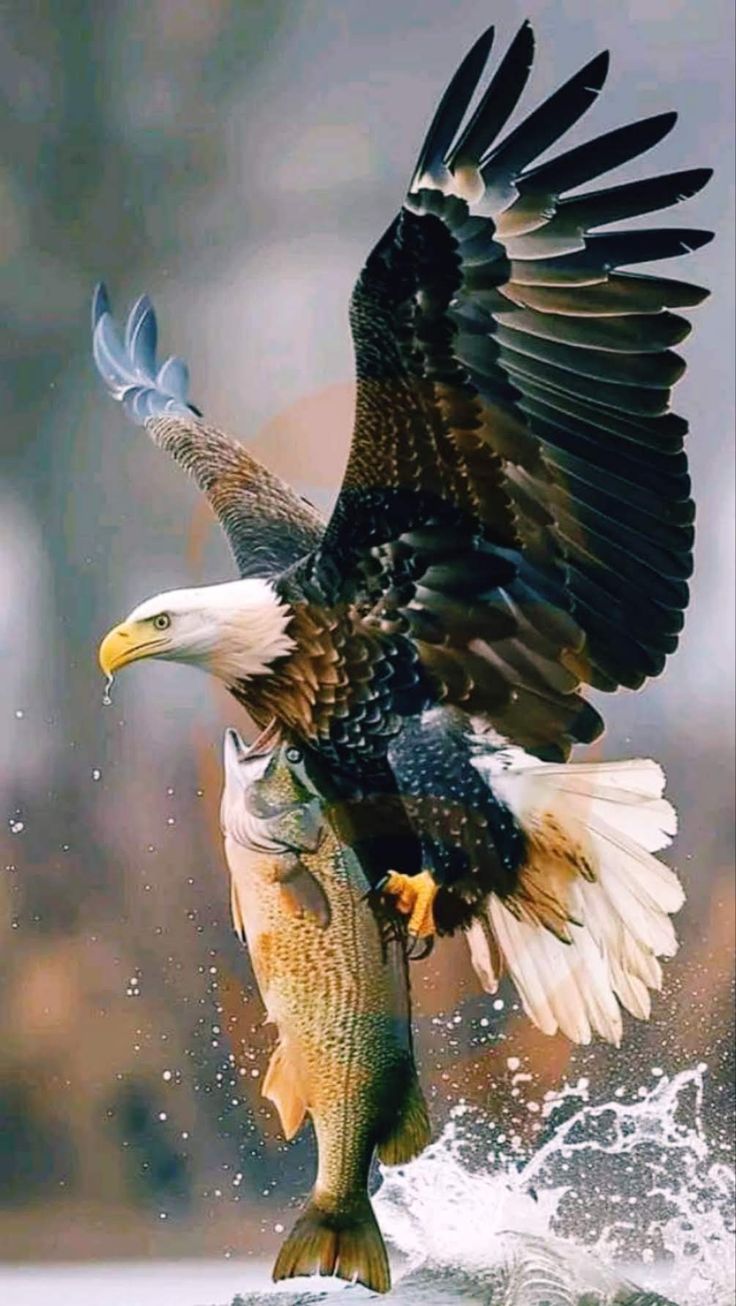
[234, 631]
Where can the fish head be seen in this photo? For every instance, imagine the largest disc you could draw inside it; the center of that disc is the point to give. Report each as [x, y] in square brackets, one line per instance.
[284, 782]
[269, 803]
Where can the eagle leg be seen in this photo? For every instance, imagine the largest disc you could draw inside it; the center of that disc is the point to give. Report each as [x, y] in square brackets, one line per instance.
[414, 895]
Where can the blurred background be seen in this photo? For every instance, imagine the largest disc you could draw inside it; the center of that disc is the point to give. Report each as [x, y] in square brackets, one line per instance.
[237, 160]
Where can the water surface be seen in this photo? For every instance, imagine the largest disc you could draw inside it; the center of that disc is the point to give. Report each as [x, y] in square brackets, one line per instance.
[622, 1204]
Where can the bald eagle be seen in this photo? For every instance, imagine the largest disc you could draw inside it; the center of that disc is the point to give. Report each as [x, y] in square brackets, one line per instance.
[514, 525]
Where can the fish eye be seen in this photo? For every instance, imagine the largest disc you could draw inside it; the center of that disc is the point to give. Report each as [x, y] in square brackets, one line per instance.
[162, 621]
[293, 755]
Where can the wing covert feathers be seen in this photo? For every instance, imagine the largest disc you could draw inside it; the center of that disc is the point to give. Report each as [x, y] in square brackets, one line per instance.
[514, 381]
[584, 931]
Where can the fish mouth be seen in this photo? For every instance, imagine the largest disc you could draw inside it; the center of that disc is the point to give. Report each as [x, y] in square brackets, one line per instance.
[235, 749]
[243, 765]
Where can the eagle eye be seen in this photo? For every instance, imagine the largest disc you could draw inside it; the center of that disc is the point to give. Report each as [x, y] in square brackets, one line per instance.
[162, 621]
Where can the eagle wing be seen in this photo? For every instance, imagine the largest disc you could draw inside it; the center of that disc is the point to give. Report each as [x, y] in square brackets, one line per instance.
[516, 499]
[267, 524]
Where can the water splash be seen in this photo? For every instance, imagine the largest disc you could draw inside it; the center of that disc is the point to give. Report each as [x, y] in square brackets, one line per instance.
[614, 1194]
[635, 1184]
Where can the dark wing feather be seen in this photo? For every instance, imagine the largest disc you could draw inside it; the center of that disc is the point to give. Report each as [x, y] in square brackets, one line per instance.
[267, 525]
[452, 109]
[516, 499]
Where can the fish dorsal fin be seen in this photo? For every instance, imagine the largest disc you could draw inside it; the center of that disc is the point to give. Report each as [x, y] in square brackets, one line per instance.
[411, 1131]
[280, 1087]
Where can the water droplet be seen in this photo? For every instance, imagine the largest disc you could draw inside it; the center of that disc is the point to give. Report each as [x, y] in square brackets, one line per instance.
[167, 1075]
[16, 827]
[19, 713]
[96, 773]
[107, 695]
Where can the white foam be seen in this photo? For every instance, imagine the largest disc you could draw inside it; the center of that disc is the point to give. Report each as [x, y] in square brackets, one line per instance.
[636, 1184]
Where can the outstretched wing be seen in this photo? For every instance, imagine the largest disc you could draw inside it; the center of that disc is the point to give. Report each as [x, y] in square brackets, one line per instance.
[267, 525]
[516, 498]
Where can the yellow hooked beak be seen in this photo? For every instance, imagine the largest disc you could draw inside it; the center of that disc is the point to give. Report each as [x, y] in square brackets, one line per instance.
[127, 643]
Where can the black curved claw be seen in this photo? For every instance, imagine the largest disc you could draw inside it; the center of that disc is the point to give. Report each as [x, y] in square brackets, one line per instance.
[418, 946]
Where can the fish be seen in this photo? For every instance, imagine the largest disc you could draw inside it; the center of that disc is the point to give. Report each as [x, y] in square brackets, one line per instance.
[330, 961]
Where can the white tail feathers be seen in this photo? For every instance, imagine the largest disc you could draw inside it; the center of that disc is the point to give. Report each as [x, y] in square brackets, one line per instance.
[592, 829]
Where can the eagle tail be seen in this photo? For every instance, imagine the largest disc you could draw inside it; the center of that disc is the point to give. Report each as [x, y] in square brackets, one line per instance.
[127, 362]
[590, 917]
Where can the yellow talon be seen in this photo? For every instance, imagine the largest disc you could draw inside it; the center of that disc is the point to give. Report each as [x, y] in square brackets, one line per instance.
[415, 895]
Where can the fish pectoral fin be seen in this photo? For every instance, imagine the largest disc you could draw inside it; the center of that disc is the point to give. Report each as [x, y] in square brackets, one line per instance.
[302, 893]
[411, 1130]
[280, 1087]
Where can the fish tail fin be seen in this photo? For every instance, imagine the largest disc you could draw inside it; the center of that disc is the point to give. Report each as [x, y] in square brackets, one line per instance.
[347, 1244]
[591, 915]
[410, 1130]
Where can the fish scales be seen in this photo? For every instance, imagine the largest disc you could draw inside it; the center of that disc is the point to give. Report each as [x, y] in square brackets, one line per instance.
[334, 981]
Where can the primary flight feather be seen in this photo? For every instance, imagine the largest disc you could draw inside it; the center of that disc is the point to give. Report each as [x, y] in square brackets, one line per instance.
[514, 524]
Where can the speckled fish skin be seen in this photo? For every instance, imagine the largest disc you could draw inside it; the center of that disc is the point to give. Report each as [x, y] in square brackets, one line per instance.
[334, 980]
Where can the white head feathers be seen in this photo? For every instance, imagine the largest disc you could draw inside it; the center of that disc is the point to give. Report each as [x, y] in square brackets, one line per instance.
[234, 631]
